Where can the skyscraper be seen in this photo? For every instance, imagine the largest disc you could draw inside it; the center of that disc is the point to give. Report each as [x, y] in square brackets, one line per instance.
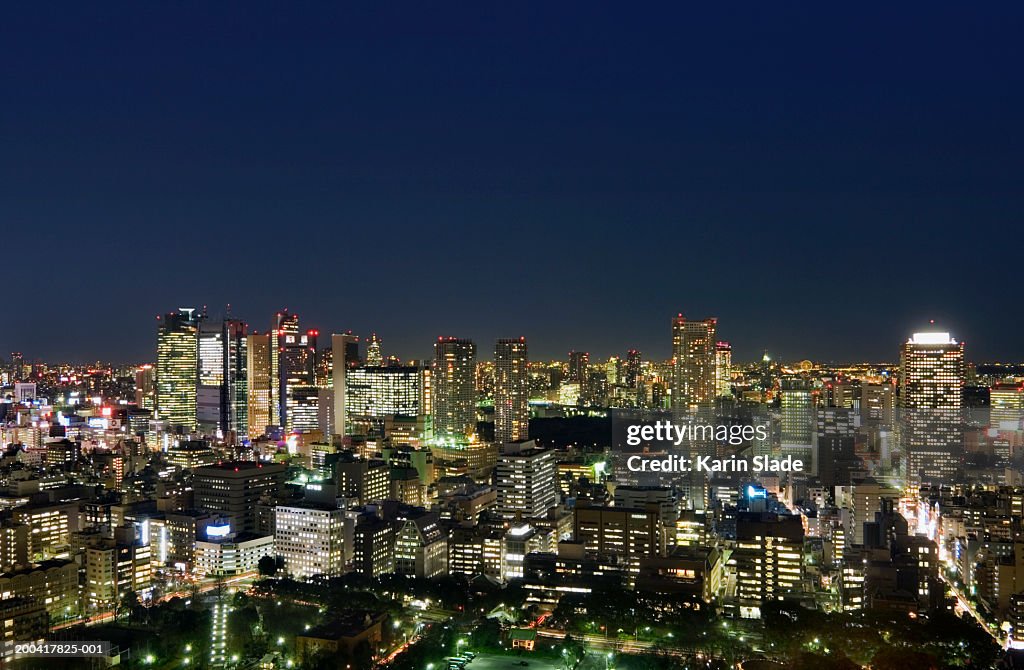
[723, 369]
[373, 393]
[145, 386]
[298, 395]
[931, 386]
[579, 373]
[511, 391]
[262, 410]
[222, 395]
[344, 357]
[798, 420]
[633, 368]
[374, 357]
[454, 387]
[177, 360]
[693, 363]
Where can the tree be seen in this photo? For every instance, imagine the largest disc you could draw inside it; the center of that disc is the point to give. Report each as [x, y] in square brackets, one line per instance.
[267, 566]
[900, 659]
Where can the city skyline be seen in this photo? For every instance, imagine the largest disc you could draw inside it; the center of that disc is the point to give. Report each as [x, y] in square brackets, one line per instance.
[661, 349]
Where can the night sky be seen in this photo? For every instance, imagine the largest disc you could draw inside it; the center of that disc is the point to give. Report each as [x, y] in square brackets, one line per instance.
[823, 180]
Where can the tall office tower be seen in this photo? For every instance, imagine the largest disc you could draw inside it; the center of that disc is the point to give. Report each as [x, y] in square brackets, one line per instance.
[931, 387]
[344, 357]
[511, 391]
[373, 393]
[310, 538]
[723, 369]
[235, 389]
[298, 394]
[769, 565]
[693, 363]
[211, 377]
[798, 421]
[579, 374]
[454, 387]
[633, 371]
[222, 395]
[527, 481]
[17, 369]
[145, 386]
[177, 364]
[262, 410]
[1007, 406]
[232, 489]
[613, 371]
[374, 356]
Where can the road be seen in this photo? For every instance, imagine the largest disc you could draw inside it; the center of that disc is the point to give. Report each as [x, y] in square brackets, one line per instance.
[966, 605]
[205, 587]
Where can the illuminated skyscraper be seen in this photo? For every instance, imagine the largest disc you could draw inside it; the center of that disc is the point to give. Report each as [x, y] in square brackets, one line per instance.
[511, 391]
[374, 357]
[262, 410]
[633, 368]
[723, 369]
[454, 387]
[579, 373]
[177, 361]
[798, 420]
[344, 357]
[1007, 403]
[693, 363]
[145, 386]
[298, 395]
[222, 395]
[931, 386]
[373, 393]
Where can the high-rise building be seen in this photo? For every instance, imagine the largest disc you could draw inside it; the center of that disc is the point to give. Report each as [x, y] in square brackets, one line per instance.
[1007, 407]
[233, 488]
[723, 369]
[145, 386]
[527, 481]
[344, 357]
[931, 387]
[769, 559]
[310, 538]
[511, 391]
[222, 401]
[579, 374]
[633, 368]
[798, 420]
[177, 366]
[374, 356]
[693, 363]
[454, 387]
[298, 395]
[263, 412]
[374, 393]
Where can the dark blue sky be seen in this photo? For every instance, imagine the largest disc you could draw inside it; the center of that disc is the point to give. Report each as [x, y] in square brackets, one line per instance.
[821, 179]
